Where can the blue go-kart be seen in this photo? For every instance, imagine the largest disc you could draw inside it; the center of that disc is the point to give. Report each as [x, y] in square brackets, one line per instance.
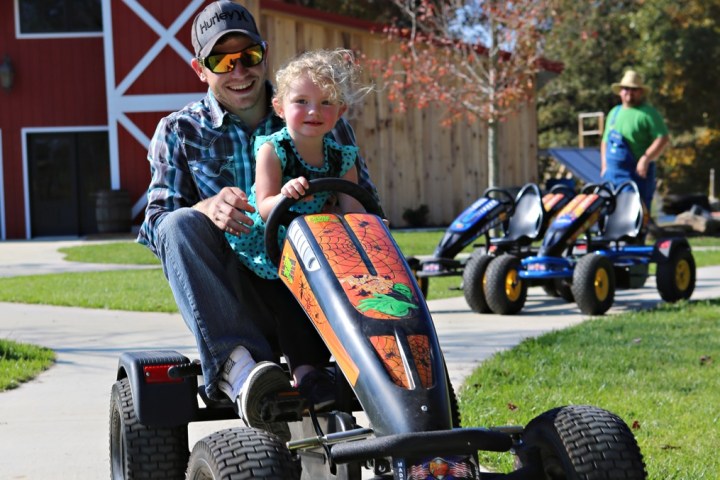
[594, 246]
[522, 219]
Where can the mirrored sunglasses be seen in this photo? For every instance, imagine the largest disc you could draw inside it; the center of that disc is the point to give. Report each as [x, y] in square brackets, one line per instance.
[225, 62]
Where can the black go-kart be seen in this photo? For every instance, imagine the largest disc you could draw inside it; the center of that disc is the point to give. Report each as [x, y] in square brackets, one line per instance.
[595, 245]
[396, 414]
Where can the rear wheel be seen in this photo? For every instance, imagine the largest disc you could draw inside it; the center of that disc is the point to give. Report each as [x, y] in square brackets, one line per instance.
[423, 282]
[505, 291]
[676, 278]
[473, 280]
[593, 284]
[581, 443]
[549, 288]
[139, 451]
[241, 453]
[564, 289]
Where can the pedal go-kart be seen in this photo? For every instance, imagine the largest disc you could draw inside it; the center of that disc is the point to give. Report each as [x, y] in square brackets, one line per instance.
[532, 214]
[359, 292]
[525, 214]
[593, 247]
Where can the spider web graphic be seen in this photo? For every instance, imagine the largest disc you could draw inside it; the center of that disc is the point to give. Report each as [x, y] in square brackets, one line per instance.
[420, 348]
[388, 351]
[367, 264]
[297, 282]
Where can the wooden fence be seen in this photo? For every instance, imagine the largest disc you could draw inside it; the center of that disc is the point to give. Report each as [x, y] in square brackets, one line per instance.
[412, 159]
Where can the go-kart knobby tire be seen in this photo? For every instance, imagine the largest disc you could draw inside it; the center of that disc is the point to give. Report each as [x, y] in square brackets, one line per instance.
[138, 451]
[241, 453]
[505, 291]
[474, 280]
[559, 287]
[593, 284]
[675, 278]
[582, 443]
[549, 289]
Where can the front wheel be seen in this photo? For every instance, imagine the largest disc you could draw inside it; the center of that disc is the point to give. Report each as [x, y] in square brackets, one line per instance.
[140, 451]
[473, 281]
[593, 284]
[239, 453]
[505, 291]
[676, 278]
[581, 443]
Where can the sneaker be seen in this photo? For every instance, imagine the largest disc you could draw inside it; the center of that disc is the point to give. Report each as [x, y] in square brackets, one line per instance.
[318, 388]
[266, 378]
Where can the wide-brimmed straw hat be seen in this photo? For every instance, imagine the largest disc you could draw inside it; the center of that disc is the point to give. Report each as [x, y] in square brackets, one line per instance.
[631, 79]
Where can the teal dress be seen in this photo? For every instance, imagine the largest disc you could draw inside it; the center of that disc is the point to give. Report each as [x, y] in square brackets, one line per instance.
[338, 159]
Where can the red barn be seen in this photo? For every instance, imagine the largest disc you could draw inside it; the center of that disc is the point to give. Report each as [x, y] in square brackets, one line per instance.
[79, 121]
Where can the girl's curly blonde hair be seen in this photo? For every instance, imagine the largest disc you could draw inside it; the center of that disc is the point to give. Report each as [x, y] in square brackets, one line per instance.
[335, 71]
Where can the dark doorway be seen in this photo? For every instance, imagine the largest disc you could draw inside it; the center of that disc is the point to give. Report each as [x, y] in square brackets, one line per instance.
[66, 170]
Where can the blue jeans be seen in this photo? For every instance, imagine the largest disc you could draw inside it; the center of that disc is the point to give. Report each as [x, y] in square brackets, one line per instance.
[224, 304]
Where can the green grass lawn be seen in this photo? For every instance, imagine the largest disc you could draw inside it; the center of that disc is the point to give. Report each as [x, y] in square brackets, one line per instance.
[20, 362]
[659, 370]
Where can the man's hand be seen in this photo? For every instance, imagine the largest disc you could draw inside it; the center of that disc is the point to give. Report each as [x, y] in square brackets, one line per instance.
[642, 166]
[227, 210]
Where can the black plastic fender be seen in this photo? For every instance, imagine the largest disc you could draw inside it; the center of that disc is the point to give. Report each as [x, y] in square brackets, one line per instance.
[665, 247]
[159, 400]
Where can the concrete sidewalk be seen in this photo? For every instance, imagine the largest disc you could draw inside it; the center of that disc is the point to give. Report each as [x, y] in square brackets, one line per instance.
[56, 427]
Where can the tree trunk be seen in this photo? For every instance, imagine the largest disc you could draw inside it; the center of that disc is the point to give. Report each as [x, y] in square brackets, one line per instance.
[493, 163]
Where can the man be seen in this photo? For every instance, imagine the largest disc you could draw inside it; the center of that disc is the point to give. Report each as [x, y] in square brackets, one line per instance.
[635, 136]
[202, 166]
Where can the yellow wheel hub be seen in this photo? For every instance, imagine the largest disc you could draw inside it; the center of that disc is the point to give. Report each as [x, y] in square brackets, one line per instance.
[682, 275]
[512, 286]
[601, 284]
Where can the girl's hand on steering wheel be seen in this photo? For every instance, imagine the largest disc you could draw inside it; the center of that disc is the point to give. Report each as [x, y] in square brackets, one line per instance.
[295, 188]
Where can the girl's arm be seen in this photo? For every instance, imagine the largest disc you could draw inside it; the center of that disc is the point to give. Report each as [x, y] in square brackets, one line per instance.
[268, 176]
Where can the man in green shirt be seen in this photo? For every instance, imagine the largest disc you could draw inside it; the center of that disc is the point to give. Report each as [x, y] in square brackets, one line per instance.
[635, 136]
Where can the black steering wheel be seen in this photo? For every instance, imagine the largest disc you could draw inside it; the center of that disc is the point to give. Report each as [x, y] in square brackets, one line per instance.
[281, 214]
[503, 196]
[603, 190]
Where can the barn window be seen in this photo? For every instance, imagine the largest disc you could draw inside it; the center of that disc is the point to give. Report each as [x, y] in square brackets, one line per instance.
[52, 17]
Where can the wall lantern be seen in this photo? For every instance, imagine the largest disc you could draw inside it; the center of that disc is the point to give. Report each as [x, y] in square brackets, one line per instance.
[7, 74]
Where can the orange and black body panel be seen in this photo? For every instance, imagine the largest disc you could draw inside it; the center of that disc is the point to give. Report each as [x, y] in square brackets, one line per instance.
[347, 273]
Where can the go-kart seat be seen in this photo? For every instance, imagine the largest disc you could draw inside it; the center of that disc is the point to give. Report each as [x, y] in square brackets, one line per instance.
[625, 222]
[527, 221]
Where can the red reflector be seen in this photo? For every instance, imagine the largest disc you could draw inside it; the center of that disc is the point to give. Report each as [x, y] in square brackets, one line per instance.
[159, 374]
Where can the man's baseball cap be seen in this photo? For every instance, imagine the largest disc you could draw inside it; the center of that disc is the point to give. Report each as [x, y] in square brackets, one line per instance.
[220, 18]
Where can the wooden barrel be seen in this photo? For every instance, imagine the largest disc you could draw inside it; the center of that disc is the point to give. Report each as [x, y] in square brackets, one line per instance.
[112, 211]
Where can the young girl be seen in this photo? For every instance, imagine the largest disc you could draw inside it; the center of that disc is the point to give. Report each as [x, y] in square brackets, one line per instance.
[313, 91]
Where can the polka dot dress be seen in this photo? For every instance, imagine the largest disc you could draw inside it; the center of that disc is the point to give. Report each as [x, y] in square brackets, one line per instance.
[250, 248]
